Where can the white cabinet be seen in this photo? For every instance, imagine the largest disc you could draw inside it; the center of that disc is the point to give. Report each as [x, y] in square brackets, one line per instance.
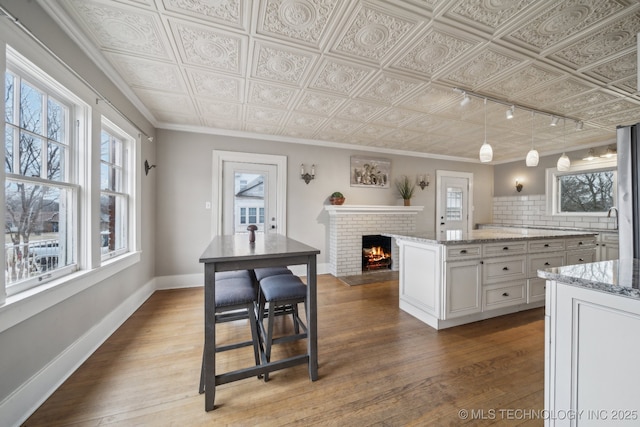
[463, 289]
[591, 357]
[607, 246]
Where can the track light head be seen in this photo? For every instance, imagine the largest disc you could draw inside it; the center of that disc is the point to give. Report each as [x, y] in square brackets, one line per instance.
[510, 112]
[465, 100]
[579, 125]
[554, 121]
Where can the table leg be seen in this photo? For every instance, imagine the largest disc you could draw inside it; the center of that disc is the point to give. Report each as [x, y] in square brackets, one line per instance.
[209, 336]
[312, 317]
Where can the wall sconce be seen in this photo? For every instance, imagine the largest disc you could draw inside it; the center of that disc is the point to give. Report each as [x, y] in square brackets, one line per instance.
[518, 186]
[147, 167]
[307, 177]
[422, 182]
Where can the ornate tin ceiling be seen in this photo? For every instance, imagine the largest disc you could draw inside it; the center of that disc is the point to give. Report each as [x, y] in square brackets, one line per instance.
[372, 74]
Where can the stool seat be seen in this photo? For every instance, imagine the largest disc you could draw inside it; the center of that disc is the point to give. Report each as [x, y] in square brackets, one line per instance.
[221, 275]
[262, 273]
[282, 287]
[234, 291]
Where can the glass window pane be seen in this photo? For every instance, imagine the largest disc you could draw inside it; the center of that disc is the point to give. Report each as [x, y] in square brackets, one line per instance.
[31, 109]
[36, 227]
[586, 192]
[9, 83]
[112, 223]
[30, 155]
[454, 204]
[8, 149]
[105, 138]
[56, 120]
[55, 162]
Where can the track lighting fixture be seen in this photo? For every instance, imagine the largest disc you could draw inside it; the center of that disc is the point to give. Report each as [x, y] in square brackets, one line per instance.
[554, 121]
[579, 125]
[532, 156]
[465, 100]
[510, 112]
[486, 152]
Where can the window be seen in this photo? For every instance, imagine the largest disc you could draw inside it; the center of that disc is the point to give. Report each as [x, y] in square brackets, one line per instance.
[40, 184]
[114, 190]
[585, 190]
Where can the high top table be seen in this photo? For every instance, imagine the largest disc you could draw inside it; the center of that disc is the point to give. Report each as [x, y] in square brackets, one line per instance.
[235, 252]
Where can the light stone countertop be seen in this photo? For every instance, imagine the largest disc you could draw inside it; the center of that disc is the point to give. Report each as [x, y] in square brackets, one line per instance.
[620, 276]
[489, 235]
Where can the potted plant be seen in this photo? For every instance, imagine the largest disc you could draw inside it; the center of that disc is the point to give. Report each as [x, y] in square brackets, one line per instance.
[336, 198]
[406, 189]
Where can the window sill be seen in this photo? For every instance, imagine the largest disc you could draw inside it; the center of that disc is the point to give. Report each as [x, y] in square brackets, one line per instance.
[29, 303]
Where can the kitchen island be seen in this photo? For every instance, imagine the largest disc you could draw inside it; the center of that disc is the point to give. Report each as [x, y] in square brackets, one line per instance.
[592, 319]
[460, 278]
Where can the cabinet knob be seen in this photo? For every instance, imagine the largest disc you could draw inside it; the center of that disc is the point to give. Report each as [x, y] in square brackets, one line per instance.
[546, 263]
[506, 248]
[581, 259]
[579, 243]
[464, 251]
[505, 268]
[546, 245]
[506, 294]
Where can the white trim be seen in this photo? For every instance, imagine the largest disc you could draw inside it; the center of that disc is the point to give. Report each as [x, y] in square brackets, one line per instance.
[280, 162]
[23, 401]
[359, 209]
[29, 303]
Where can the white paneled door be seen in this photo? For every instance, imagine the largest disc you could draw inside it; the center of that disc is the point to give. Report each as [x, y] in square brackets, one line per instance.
[453, 203]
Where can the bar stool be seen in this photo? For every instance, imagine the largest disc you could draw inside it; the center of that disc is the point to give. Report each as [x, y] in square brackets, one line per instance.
[262, 273]
[236, 299]
[283, 292]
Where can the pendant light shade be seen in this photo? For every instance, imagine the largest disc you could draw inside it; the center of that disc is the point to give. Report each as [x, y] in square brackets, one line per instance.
[563, 163]
[486, 152]
[532, 156]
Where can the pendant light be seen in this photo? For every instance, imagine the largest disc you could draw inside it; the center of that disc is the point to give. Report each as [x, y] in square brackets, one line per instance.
[532, 155]
[563, 162]
[486, 152]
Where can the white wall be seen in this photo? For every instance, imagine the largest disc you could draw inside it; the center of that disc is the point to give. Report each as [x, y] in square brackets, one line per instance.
[185, 185]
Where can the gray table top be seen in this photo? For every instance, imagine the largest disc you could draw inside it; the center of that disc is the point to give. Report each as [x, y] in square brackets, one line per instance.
[237, 247]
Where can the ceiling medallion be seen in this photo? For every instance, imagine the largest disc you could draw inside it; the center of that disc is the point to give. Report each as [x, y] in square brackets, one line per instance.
[567, 18]
[298, 14]
[372, 36]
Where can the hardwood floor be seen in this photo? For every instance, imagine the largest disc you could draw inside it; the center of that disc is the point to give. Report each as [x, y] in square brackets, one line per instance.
[378, 366]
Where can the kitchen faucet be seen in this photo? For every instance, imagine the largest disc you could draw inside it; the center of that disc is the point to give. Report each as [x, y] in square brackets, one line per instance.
[612, 208]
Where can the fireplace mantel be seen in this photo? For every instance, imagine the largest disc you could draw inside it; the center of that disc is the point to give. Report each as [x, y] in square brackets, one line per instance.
[369, 209]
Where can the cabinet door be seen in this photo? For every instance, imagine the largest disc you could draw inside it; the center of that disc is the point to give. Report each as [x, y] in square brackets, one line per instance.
[463, 288]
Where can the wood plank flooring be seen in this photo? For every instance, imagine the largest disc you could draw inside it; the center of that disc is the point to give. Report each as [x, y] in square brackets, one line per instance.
[378, 366]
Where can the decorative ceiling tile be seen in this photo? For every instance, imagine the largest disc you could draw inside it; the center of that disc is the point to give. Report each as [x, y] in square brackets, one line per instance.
[434, 51]
[341, 126]
[219, 110]
[177, 119]
[264, 115]
[298, 133]
[360, 110]
[149, 74]
[123, 29]
[483, 67]
[596, 111]
[303, 21]
[630, 85]
[561, 20]
[305, 121]
[628, 117]
[270, 95]
[227, 12]
[618, 68]
[203, 47]
[523, 79]
[612, 39]
[339, 77]
[582, 101]
[279, 64]
[318, 103]
[218, 86]
[432, 98]
[165, 101]
[423, 123]
[551, 93]
[388, 88]
[372, 33]
[216, 123]
[261, 128]
[490, 13]
[403, 135]
[395, 117]
[374, 131]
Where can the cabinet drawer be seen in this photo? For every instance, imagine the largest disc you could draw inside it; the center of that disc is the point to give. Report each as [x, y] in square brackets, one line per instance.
[610, 238]
[460, 252]
[506, 248]
[581, 243]
[546, 245]
[536, 290]
[504, 268]
[581, 257]
[504, 295]
[544, 261]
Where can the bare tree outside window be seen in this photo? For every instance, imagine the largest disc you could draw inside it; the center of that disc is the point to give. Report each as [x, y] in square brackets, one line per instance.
[586, 192]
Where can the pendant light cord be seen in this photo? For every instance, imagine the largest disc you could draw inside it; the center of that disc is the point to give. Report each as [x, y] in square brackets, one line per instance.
[485, 120]
[533, 116]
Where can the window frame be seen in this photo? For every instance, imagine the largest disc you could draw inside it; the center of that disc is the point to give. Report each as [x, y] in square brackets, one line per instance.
[553, 184]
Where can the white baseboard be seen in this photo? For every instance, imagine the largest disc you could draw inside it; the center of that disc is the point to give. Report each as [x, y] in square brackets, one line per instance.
[18, 406]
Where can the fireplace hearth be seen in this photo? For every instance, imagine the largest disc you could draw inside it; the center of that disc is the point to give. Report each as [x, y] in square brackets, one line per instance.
[376, 253]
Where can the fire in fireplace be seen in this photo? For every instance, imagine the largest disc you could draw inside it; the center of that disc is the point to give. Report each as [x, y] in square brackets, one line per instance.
[376, 253]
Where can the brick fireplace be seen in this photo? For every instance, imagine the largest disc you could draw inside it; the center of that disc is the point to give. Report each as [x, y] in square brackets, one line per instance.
[347, 225]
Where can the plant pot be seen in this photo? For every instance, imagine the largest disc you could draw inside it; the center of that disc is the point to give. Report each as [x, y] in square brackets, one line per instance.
[407, 202]
[336, 200]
